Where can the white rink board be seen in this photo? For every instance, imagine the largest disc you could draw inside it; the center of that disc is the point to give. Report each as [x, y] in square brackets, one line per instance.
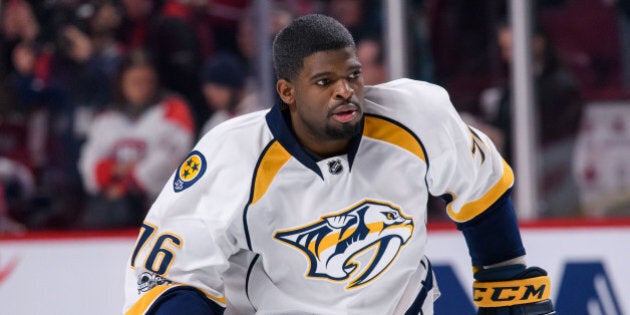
[85, 275]
[64, 277]
[552, 249]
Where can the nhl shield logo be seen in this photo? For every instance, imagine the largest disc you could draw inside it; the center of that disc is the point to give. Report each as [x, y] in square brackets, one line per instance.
[335, 167]
[370, 230]
[190, 171]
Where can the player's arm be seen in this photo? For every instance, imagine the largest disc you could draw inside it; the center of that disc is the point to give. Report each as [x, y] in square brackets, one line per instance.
[176, 263]
[503, 283]
[468, 172]
[188, 236]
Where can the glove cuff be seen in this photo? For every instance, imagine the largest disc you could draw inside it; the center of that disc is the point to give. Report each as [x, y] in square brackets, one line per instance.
[511, 292]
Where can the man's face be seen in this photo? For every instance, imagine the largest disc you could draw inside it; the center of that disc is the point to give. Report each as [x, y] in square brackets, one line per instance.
[327, 96]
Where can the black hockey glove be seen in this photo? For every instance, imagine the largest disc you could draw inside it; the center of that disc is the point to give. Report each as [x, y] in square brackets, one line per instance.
[512, 290]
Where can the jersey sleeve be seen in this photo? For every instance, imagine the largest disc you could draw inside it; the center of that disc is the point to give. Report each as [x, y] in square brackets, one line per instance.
[190, 231]
[466, 170]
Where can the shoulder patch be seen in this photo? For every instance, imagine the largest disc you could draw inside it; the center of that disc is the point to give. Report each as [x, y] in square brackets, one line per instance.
[190, 171]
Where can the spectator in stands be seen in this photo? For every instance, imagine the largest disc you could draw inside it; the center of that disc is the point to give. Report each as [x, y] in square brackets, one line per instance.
[134, 147]
[225, 91]
[81, 72]
[361, 17]
[102, 27]
[62, 90]
[371, 55]
[557, 111]
[216, 23]
[164, 28]
[462, 47]
[248, 39]
[17, 24]
[18, 32]
[51, 79]
[558, 100]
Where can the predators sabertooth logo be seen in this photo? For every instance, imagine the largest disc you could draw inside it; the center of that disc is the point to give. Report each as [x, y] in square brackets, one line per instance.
[333, 243]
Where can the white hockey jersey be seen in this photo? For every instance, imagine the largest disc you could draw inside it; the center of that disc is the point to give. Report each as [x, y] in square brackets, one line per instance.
[156, 142]
[259, 226]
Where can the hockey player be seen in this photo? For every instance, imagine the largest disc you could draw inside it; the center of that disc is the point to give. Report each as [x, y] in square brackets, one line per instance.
[318, 206]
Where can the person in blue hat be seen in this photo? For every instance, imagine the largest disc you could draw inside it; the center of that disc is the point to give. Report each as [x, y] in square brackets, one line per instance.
[225, 90]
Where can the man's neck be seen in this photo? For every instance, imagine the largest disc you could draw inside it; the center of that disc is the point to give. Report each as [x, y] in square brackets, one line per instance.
[316, 147]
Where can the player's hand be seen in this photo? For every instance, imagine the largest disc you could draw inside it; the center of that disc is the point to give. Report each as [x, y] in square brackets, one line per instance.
[512, 290]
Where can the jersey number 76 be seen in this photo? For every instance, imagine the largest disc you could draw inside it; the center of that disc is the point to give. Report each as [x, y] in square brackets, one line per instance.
[161, 255]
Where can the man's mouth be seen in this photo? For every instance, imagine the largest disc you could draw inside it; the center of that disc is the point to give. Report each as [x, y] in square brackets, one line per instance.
[345, 113]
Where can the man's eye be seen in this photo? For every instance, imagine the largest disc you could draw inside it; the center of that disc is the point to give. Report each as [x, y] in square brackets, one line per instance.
[355, 75]
[323, 82]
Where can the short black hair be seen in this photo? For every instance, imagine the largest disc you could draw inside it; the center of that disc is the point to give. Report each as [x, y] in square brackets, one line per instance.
[305, 36]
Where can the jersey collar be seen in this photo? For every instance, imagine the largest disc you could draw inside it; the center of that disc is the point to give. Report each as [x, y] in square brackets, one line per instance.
[279, 126]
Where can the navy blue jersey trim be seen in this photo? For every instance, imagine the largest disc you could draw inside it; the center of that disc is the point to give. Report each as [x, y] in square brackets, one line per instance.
[427, 285]
[249, 272]
[354, 145]
[493, 236]
[184, 300]
[251, 193]
[280, 129]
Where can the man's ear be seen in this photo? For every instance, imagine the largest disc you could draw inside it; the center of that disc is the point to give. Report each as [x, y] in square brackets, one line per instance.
[285, 91]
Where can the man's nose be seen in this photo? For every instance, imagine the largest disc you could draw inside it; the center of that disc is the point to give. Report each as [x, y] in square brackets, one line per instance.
[343, 90]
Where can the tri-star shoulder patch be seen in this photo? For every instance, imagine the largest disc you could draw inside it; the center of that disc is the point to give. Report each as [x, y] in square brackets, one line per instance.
[189, 171]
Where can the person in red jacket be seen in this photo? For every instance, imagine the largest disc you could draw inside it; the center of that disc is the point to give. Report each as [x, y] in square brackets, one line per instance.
[132, 148]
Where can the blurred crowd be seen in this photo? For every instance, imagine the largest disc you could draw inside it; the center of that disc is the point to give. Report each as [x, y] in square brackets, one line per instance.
[100, 100]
